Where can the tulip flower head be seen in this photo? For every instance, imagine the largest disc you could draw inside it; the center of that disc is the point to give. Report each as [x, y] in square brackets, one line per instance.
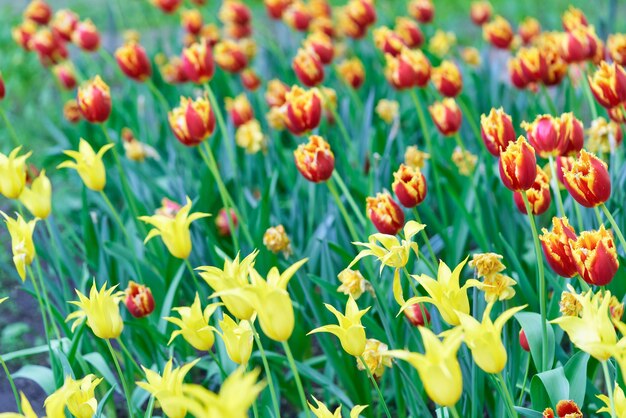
[588, 180]
[415, 158]
[608, 84]
[237, 339]
[447, 79]
[315, 160]
[308, 68]
[374, 358]
[86, 36]
[194, 324]
[100, 310]
[22, 244]
[13, 173]
[604, 136]
[518, 165]
[352, 72]
[239, 109]
[498, 32]
[529, 29]
[385, 214]
[133, 61]
[139, 300]
[230, 56]
[174, 231]
[349, 330]
[557, 249]
[77, 395]
[538, 195]
[497, 131]
[616, 46]
[619, 401]
[353, 283]
[409, 31]
[192, 121]
[388, 110]
[250, 137]
[197, 63]
[409, 185]
[303, 110]
[545, 136]
[321, 411]
[595, 256]
[38, 197]
[88, 164]
[480, 12]
[446, 115]
[94, 100]
[410, 68]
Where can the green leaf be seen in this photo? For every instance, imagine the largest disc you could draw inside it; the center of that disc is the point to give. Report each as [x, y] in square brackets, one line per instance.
[42, 376]
[576, 373]
[548, 388]
[102, 366]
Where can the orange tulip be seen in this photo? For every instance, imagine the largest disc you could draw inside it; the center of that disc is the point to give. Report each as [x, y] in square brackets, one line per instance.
[518, 165]
[556, 247]
[588, 180]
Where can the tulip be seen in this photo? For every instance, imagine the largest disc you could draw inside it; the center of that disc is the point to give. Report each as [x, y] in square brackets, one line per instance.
[447, 79]
[445, 292]
[618, 115]
[308, 68]
[22, 244]
[556, 247]
[315, 160]
[350, 332]
[64, 73]
[572, 133]
[573, 18]
[531, 64]
[191, 20]
[169, 384]
[49, 48]
[174, 232]
[173, 71]
[133, 61]
[323, 24]
[409, 69]
[139, 300]
[538, 195]
[595, 256]
[86, 36]
[592, 331]
[498, 32]
[297, 16]
[483, 338]
[64, 23]
[487, 264]
[446, 116]
[545, 136]
[2, 88]
[422, 10]
[239, 109]
[276, 8]
[438, 368]
[556, 68]
[518, 166]
[409, 186]
[223, 224]
[471, 56]
[250, 137]
[303, 110]
[516, 73]
[197, 63]
[88, 164]
[167, 6]
[409, 31]
[192, 121]
[362, 12]
[388, 110]
[234, 12]
[529, 29]
[352, 72]
[194, 324]
[237, 339]
[94, 100]
[417, 315]
[38, 11]
[276, 93]
[578, 45]
[71, 112]
[588, 180]
[616, 45]
[353, 283]
[619, 401]
[387, 41]
[23, 33]
[249, 79]
[13, 173]
[230, 57]
[385, 214]
[276, 240]
[101, 311]
[497, 131]
[523, 341]
[38, 197]
[603, 136]
[608, 84]
[77, 395]
[321, 411]
[480, 12]
[322, 45]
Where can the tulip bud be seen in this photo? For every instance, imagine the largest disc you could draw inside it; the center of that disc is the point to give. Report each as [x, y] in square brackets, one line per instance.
[250, 136]
[172, 71]
[588, 180]
[64, 73]
[222, 223]
[518, 165]
[409, 31]
[275, 95]
[192, 21]
[276, 240]
[86, 36]
[64, 24]
[139, 300]
[385, 214]
[239, 109]
[497, 131]
[322, 45]
[572, 133]
[167, 6]
[441, 43]
[446, 115]
[308, 68]
[409, 185]
[362, 12]
[192, 121]
[230, 57]
[498, 32]
[577, 45]
[197, 63]
[388, 110]
[538, 195]
[352, 72]
[416, 313]
[23, 33]
[532, 64]
[249, 79]
[573, 18]
[616, 46]
[94, 100]
[348, 27]
[529, 29]
[480, 12]
[133, 61]
[2, 88]
[447, 79]
[50, 48]
[409, 69]
[388, 41]
[523, 341]
[71, 112]
[276, 8]
[234, 12]
[422, 10]
[297, 16]
[556, 247]
[38, 11]
[304, 110]
[545, 136]
[315, 160]
[608, 84]
[595, 256]
[516, 73]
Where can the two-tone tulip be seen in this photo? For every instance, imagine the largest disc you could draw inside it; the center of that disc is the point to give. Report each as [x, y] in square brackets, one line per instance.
[250, 79]
[616, 45]
[315, 160]
[409, 185]
[516, 73]
[387, 41]
[573, 18]
[595, 256]
[191, 20]
[133, 61]
[352, 72]
[447, 79]
[71, 112]
[222, 222]
[572, 132]
[276, 8]
[230, 56]
[496, 131]
[418, 315]
[409, 69]
[538, 195]
[422, 10]
[322, 45]
[409, 31]
[239, 109]
[94, 100]
[197, 63]
[608, 84]
[298, 16]
[192, 121]
[480, 12]
[518, 165]
[167, 6]
[531, 63]
[385, 214]
[588, 180]
[303, 110]
[556, 247]
[498, 33]
[65, 75]
[276, 93]
[88, 164]
[38, 11]
[578, 45]
[139, 300]
[529, 29]
[544, 134]
[447, 116]
[308, 67]
[86, 36]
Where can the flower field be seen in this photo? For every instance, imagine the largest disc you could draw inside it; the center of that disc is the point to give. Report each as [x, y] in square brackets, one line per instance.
[289, 208]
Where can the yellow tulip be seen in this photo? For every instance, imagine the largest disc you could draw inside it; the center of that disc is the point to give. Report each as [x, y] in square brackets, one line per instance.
[170, 384]
[236, 396]
[234, 275]
[374, 357]
[619, 400]
[174, 231]
[237, 339]
[21, 242]
[77, 395]
[321, 411]
[483, 338]
[350, 332]
[101, 309]
[593, 331]
[13, 173]
[194, 324]
[445, 292]
[27, 410]
[438, 367]
[38, 198]
[88, 164]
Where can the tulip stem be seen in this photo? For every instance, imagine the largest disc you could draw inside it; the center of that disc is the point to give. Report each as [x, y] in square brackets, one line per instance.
[116, 215]
[549, 100]
[268, 372]
[618, 231]
[193, 274]
[153, 88]
[129, 355]
[523, 390]
[296, 377]
[541, 283]
[429, 145]
[12, 134]
[433, 267]
[12, 383]
[555, 185]
[590, 100]
[121, 376]
[607, 380]
[507, 395]
[342, 209]
[453, 411]
[373, 380]
[342, 128]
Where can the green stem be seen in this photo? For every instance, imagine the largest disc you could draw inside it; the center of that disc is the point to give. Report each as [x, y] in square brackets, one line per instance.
[296, 377]
[541, 284]
[375, 384]
[12, 383]
[342, 209]
[616, 228]
[121, 376]
[46, 299]
[268, 372]
[523, 391]
[219, 364]
[116, 215]
[579, 217]
[153, 88]
[590, 100]
[342, 128]
[607, 380]
[129, 355]
[555, 186]
[193, 274]
[598, 216]
[453, 411]
[346, 192]
[459, 142]
[12, 134]
[432, 267]
[549, 100]
[507, 395]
